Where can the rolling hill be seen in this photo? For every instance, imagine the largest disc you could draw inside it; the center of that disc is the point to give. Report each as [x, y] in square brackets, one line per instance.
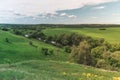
[21, 61]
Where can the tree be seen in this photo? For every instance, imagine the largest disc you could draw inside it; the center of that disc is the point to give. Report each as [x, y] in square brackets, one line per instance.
[74, 54]
[84, 53]
[81, 54]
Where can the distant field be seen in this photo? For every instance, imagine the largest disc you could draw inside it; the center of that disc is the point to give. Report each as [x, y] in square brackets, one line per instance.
[110, 34]
[53, 70]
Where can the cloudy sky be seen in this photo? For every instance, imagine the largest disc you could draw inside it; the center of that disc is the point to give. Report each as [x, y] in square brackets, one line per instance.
[60, 11]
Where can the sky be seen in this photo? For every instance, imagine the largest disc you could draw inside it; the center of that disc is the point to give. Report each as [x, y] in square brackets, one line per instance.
[60, 11]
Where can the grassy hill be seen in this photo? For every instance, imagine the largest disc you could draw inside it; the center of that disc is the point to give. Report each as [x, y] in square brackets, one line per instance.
[28, 63]
[110, 34]
[19, 49]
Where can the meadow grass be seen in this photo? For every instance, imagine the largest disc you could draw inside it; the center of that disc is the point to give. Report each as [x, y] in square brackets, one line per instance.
[19, 49]
[110, 34]
[25, 62]
[53, 70]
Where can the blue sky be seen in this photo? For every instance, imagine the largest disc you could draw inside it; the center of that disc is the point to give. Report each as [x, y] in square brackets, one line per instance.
[60, 12]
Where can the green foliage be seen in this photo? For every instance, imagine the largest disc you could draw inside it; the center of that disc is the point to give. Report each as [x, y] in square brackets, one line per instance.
[47, 52]
[7, 40]
[68, 49]
[115, 59]
[98, 52]
[101, 63]
[44, 51]
[37, 35]
[17, 32]
[81, 54]
[5, 29]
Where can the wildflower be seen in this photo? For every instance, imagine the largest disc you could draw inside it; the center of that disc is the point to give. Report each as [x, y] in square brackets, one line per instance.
[95, 75]
[64, 73]
[88, 75]
[116, 78]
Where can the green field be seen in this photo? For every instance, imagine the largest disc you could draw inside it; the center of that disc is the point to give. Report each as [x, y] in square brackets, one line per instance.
[28, 63]
[19, 49]
[53, 70]
[110, 34]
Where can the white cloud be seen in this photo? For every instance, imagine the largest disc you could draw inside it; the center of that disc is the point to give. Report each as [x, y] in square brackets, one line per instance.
[99, 7]
[35, 7]
[63, 14]
[72, 16]
[67, 15]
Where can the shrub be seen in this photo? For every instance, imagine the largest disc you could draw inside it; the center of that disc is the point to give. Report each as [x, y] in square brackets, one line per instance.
[101, 63]
[67, 49]
[44, 51]
[47, 52]
[7, 40]
[115, 59]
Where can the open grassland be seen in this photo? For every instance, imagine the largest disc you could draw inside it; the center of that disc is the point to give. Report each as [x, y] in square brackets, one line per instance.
[19, 49]
[21, 61]
[53, 70]
[110, 34]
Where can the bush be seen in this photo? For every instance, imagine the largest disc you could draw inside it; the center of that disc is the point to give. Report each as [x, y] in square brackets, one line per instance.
[7, 40]
[115, 59]
[67, 49]
[44, 51]
[47, 52]
[101, 63]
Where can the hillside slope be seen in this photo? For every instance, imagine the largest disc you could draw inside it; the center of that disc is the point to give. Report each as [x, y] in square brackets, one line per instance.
[19, 49]
[53, 70]
[25, 62]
